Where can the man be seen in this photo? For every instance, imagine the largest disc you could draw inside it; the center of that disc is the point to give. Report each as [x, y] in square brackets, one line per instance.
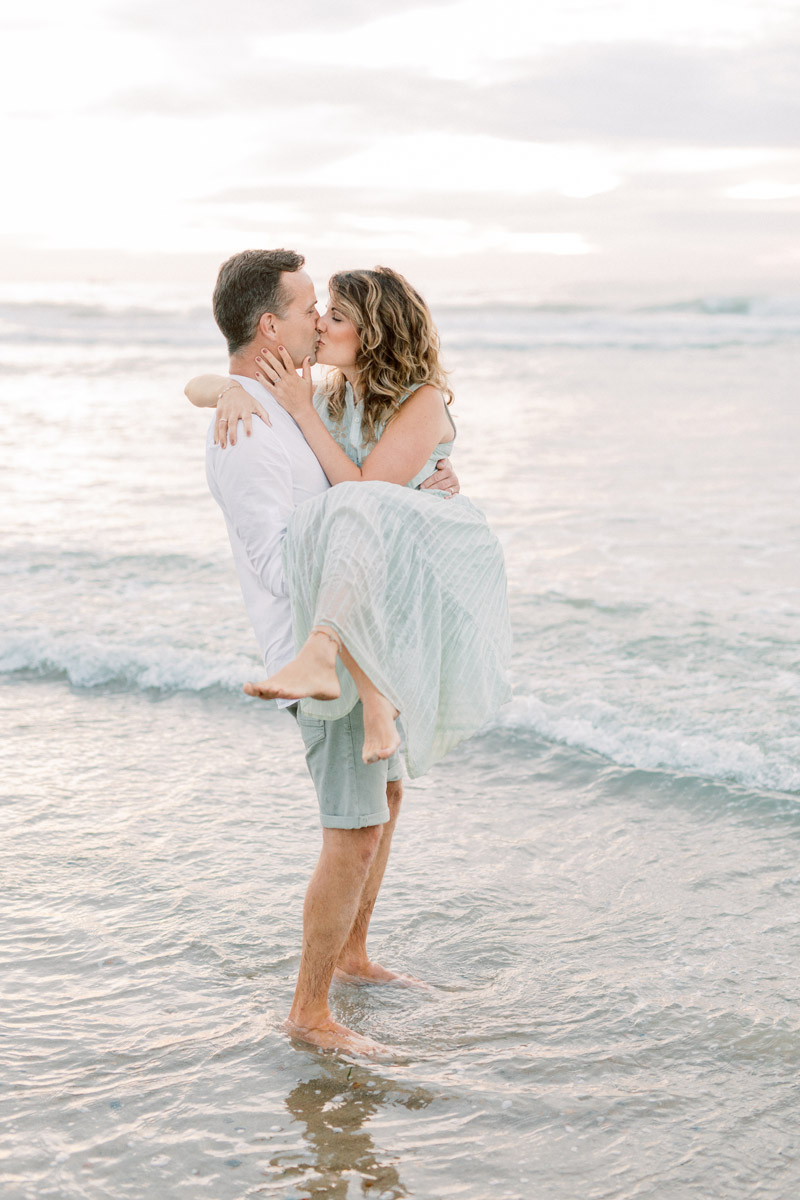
[263, 299]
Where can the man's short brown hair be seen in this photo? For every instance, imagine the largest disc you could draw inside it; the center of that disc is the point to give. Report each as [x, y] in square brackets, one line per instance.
[248, 285]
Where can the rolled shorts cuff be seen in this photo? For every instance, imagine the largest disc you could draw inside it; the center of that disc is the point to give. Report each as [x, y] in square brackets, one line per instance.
[350, 792]
[364, 819]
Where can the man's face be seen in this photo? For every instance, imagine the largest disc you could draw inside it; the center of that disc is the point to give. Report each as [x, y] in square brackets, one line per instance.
[297, 330]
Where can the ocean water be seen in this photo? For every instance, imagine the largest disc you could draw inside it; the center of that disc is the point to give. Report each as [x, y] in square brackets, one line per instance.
[602, 888]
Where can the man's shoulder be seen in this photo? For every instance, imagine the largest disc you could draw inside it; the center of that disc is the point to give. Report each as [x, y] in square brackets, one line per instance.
[263, 449]
[264, 438]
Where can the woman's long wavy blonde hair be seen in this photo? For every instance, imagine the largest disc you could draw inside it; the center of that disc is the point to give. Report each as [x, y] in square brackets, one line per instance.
[399, 348]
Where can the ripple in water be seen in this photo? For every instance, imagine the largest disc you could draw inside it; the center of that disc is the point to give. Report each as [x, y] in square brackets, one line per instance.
[614, 1003]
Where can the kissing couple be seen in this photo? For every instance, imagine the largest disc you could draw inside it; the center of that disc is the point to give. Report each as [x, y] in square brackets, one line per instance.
[376, 590]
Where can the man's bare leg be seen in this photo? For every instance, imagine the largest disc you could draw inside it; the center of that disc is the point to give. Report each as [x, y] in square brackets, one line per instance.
[354, 963]
[331, 905]
[354, 960]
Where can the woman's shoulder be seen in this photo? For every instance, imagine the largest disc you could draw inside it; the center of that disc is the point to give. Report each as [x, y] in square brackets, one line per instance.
[424, 395]
[429, 400]
[424, 389]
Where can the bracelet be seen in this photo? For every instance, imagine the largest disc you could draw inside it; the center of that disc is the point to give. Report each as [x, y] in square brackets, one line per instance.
[227, 388]
[326, 633]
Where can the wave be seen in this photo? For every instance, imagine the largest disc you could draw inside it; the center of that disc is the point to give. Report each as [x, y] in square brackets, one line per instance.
[744, 306]
[717, 306]
[90, 661]
[700, 322]
[58, 324]
[188, 308]
[85, 660]
[706, 755]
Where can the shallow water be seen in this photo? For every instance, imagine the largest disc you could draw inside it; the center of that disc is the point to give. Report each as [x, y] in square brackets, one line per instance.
[613, 958]
[602, 889]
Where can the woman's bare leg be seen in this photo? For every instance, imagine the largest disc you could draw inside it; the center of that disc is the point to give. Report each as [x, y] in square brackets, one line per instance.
[313, 673]
[381, 738]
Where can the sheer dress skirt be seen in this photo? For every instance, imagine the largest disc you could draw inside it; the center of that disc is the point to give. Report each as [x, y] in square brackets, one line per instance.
[414, 584]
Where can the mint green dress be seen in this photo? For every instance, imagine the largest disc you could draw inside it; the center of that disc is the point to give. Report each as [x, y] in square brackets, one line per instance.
[414, 584]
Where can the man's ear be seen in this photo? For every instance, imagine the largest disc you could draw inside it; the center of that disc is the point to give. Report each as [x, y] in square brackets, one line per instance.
[267, 327]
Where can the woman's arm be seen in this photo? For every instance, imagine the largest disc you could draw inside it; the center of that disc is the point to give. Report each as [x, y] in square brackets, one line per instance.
[232, 401]
[403, 448]
[204, 390]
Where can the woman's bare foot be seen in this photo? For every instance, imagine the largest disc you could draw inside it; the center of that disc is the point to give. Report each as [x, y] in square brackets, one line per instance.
[330, 1035]
[311, 673]
[372, 972]
[381, 738]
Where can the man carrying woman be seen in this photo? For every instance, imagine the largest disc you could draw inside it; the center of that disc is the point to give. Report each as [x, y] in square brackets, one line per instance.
[395, 592]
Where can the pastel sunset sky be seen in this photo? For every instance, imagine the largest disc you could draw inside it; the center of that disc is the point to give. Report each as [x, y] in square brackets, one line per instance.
[517, 149]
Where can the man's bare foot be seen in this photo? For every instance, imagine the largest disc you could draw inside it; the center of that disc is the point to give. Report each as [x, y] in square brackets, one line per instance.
[311, 673]
[381, 738]
[372, 972]
[330, 1035]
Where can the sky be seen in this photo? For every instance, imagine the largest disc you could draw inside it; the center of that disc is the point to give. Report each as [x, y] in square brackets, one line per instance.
[523, 150]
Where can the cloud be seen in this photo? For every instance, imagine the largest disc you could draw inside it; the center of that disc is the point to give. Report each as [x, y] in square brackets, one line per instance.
[657, 94]
[382, 201]
[240, 20]
[764, 189]
[521, 132]
[378, 225]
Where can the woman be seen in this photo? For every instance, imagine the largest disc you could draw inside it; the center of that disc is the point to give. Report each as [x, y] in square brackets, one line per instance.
[398, 595]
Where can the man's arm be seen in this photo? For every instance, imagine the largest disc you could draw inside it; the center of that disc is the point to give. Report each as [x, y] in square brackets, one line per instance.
[252, 483]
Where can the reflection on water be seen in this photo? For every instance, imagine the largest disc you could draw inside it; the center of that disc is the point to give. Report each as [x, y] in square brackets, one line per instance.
[334, 1107]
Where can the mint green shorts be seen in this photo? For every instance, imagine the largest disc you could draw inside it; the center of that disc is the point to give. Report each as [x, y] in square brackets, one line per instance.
[351, 794]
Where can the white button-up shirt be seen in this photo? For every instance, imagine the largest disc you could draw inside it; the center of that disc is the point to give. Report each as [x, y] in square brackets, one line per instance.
[258, 483]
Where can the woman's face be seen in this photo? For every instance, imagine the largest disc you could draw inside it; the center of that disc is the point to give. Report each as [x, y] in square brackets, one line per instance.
[339, 342]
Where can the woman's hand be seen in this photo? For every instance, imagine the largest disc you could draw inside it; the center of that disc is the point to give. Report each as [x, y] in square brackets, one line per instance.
[292, 391]
[236, 405]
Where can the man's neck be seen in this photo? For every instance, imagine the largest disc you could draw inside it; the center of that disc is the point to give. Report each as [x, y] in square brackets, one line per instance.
[243, 364]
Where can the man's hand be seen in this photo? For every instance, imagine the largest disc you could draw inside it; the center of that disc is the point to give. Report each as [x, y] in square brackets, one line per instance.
[236, 405]
[443, 478]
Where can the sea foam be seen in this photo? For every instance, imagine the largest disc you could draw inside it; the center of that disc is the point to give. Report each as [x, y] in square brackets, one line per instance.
[90, 661]
[616, 735]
